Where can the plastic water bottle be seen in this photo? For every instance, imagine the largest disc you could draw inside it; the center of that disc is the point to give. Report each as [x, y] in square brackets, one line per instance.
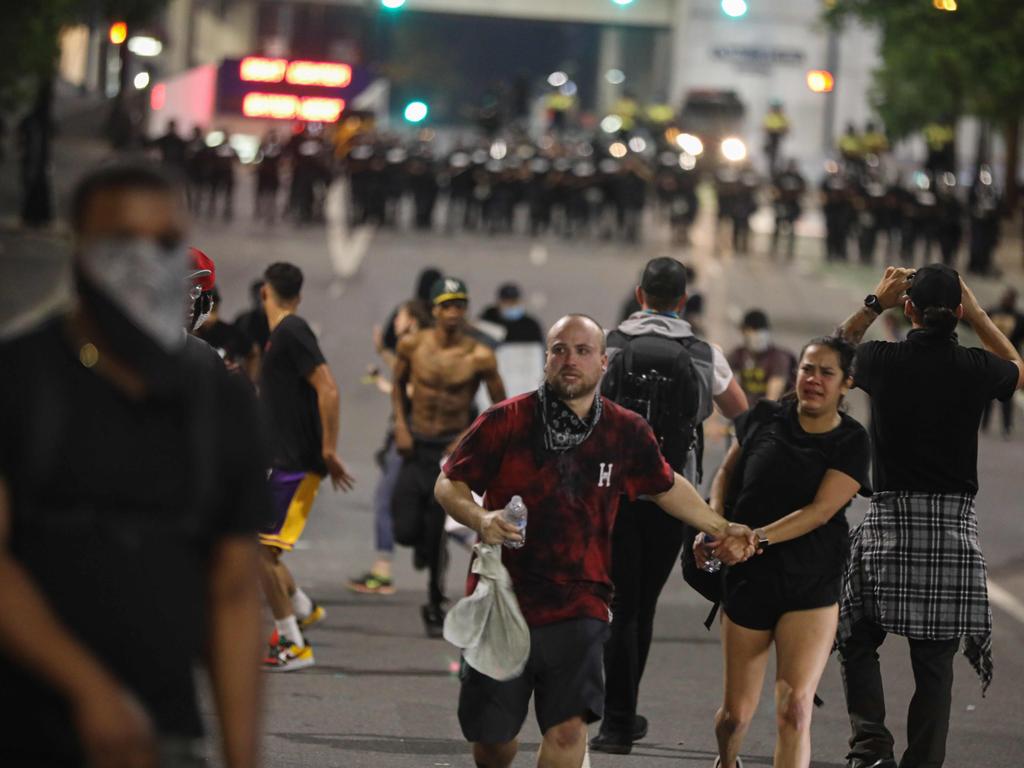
[515, 513]
[712, 564]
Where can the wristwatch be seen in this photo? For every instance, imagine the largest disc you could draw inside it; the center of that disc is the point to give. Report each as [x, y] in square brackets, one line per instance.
[871, 302]
[762, 539]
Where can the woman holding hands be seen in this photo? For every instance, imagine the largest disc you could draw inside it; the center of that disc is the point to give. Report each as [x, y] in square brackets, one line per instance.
[795, 469]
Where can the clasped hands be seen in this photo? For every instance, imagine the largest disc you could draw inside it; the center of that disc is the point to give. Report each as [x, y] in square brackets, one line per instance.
[738, 544]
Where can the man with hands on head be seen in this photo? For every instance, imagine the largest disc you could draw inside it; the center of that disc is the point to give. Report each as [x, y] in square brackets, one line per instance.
[570, 454]
[916, 567]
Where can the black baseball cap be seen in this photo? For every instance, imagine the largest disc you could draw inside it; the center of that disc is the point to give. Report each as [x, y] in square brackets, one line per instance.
[935, 285]
[755, 320]
[509, 292]
[664, 278]
[448, 289]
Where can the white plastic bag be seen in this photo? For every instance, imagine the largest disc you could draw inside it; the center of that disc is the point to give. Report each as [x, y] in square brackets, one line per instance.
[488, 625]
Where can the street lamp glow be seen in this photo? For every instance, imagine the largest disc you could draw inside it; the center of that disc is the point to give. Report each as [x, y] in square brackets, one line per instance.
[735, 8]
[734, 149]
[690, 144]
[611, 124]
[637, 144]
[416, 111]
[557, 79]
[143, 45]
[392, 5]
[141, 80]
[617, 150]
[623, 2]
[615, 76]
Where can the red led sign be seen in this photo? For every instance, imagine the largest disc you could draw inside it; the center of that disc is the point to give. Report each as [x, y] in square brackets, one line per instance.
[256, 69]
[286, 106]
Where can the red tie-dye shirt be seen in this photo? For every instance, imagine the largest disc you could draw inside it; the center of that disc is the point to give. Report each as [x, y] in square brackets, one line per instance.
[564, 569]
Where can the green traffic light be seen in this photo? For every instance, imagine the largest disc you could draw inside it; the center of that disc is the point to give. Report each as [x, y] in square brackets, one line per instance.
[416, 111]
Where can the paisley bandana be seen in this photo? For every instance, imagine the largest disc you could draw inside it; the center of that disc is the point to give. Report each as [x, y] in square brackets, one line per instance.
[563, 429]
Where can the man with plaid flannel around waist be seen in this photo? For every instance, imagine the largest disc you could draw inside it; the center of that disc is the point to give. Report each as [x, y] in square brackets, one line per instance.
[916, 567]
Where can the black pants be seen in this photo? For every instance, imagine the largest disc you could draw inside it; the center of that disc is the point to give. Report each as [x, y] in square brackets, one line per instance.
[928, 716]
[1006, 406]
[645, 546]
[418, 518]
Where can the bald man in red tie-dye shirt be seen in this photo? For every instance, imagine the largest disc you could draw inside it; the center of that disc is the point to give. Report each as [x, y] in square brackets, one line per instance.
[570, 455]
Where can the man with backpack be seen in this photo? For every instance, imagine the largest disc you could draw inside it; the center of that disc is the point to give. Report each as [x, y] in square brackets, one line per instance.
[659, 369]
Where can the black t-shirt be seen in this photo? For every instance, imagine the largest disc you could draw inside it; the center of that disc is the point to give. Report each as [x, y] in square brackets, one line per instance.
[253, 324]
[781, 471]
[228, 340]
[289, 400]
[927, 397]
[522, 329]
[116, 506]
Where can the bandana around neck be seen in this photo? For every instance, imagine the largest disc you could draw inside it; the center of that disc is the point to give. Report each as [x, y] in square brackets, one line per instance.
[563, 429]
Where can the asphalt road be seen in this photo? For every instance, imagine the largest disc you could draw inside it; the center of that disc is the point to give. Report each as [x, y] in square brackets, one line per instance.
[382, 694]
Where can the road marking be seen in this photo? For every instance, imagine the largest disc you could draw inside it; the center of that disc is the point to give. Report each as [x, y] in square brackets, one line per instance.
[346, 248]
[1006, 601]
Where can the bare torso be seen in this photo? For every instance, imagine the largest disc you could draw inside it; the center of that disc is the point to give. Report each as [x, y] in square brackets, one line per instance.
[444, 382]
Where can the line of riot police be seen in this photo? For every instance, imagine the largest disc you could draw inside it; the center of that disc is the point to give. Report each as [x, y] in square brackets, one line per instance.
[915, 215]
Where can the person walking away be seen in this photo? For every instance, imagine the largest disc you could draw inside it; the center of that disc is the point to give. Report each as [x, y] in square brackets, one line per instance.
[692, 377]
[915, 566]
[301, 409]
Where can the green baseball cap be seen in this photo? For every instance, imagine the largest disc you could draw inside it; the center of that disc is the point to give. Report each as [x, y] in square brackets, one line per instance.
[448, 289]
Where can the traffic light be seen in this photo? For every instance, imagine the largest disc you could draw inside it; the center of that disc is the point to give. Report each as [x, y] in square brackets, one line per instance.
[416, 112]
[118, 32]
[820, 81]
[735, 8]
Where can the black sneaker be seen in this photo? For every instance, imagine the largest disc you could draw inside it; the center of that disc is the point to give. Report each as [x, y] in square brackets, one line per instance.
[617, 743]
[433, 620]
[882, 762]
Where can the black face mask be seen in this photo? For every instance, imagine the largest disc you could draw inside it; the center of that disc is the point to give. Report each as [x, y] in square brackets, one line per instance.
[159, 368]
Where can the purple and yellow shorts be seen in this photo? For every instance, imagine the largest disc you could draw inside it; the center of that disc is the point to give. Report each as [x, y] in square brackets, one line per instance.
[291, 497]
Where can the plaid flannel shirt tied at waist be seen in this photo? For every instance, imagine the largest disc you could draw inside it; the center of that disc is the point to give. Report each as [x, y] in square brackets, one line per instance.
[916, 569]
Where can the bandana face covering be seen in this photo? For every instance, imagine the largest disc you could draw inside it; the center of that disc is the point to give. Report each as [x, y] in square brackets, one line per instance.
[143, 281]
[563, 429]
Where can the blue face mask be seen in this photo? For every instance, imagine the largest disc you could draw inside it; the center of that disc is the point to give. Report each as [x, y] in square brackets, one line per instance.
[513, 313]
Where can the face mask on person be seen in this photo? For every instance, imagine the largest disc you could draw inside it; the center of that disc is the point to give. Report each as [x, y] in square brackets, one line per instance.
[134, 289]
[513, 313]
[757, 341]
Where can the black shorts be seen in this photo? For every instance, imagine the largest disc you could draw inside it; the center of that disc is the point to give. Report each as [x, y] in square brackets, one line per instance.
[757, 600]
[564, 674]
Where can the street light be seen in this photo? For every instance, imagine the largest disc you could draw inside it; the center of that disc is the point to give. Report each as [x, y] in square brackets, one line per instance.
[820, 81]
[392, 5]
[141, 80]
[944, 5]
[623, 2]
[416, 111]
[735, 8]
[143, 45]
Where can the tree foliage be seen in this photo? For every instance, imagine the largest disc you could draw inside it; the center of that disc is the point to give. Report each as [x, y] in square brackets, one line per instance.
[939, 64]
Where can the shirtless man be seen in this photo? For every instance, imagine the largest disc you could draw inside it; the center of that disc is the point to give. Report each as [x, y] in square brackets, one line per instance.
[445, 366]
